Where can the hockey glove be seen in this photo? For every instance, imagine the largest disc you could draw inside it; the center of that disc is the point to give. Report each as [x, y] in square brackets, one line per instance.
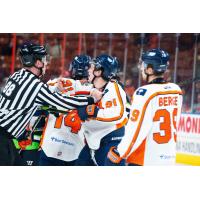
[24, 143]
[113, 156]
[86, 112]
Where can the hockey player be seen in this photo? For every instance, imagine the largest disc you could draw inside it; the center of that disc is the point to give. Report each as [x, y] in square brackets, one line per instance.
[104, 123]
[150, 135]
[24, 93]
[63, 135]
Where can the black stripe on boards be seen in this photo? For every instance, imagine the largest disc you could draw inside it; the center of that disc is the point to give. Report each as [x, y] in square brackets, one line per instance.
[23, 91]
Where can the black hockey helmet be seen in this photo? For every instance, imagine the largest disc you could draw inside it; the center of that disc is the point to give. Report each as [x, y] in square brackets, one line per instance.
[30, 52]
[157, 58]
[79, 66]
[108, 64]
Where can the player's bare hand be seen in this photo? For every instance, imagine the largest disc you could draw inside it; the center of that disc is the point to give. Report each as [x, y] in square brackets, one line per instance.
[96, 94]
[59, 85]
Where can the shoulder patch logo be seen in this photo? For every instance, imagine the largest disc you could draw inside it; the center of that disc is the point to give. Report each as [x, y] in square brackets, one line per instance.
[167, 87]
[141, 91]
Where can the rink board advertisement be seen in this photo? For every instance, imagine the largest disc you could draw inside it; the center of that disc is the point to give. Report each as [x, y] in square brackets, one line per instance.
[188, 140]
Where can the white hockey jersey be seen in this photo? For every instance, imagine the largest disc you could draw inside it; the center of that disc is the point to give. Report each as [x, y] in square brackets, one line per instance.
[111, 115]
[150, 135]
[59, 141]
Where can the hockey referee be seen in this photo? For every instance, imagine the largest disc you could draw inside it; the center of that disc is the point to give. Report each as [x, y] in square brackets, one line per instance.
[23, 93]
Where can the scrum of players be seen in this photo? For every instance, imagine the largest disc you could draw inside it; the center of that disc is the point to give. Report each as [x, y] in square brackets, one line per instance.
[104, 133]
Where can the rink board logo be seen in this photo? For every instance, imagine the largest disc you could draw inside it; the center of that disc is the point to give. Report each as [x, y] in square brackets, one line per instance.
[188, 140]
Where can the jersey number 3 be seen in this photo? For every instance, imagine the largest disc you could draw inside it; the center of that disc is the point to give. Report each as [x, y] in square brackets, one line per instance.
[165, 125]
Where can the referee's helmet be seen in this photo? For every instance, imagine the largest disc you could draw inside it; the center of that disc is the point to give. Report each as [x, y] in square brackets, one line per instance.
[30, 53]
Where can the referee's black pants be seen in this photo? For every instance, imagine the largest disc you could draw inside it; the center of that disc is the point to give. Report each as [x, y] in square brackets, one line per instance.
[8, 152]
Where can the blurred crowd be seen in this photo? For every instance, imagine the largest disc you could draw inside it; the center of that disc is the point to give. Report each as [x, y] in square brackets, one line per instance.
[91, 45]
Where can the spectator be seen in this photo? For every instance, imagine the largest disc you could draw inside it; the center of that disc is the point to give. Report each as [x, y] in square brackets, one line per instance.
[129, 88]
[197, 104]
[55, 49]
[5, 46]
[186, 102]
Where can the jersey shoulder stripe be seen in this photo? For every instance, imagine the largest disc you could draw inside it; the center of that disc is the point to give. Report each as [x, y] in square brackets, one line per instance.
[121, 107]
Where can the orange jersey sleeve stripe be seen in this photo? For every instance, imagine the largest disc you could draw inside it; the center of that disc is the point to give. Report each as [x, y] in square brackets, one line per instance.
[82, 93]
[121, 105]
[142, 117]
[123, 123]
[52, 84]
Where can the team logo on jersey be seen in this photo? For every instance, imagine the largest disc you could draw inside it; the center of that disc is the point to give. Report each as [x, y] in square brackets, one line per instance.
[141, 91]
[166, 157]
[167, 87]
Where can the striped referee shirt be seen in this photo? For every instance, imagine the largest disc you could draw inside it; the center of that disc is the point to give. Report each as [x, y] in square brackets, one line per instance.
[23, 94]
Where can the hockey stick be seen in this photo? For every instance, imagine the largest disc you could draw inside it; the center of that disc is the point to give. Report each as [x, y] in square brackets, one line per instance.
[53, 110]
